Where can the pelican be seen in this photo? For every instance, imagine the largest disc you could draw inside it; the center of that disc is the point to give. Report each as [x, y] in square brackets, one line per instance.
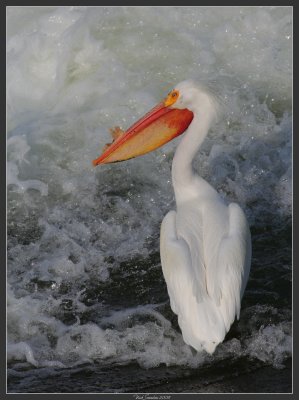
[205, 245]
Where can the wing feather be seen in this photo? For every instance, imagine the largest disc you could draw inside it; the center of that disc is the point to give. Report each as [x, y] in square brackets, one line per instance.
[233, 264]
[176, 261]
[189, 226]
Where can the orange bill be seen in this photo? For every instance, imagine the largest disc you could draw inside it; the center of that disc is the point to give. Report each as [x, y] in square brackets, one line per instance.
[156, 128]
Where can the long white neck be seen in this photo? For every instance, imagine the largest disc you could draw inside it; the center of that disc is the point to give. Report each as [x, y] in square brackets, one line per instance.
[182, 172]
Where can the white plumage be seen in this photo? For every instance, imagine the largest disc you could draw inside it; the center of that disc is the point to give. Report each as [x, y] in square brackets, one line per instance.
[205, 245]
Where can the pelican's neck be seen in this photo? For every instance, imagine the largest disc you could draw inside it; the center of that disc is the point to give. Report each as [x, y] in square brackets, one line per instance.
[182, 172]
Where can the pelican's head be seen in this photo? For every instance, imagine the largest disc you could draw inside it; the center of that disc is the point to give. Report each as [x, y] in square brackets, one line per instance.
[167, 120]
[192, 96]
[184, 95]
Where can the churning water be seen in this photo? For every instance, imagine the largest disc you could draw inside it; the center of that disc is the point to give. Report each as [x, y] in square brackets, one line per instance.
[88, 309]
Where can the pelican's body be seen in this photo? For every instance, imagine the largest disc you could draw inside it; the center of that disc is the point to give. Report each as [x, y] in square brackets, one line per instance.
[205, 245]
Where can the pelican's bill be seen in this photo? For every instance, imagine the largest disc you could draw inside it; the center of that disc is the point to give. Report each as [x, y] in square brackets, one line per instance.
[157, 127]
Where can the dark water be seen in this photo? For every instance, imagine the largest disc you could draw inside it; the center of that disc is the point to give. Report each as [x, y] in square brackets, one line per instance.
[267, 301]
[242, 376]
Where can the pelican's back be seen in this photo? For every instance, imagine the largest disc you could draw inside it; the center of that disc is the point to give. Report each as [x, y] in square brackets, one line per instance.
[205, 259]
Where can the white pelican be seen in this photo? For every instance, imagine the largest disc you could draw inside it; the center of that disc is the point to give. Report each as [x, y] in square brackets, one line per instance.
[205, 245]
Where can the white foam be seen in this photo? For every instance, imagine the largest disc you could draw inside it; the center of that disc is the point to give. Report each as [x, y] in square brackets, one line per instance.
[271, 344]
[84, 343]
[21, 186]
[21, 351]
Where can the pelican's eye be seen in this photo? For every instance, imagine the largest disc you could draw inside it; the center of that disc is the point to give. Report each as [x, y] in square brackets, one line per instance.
[171, 98]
